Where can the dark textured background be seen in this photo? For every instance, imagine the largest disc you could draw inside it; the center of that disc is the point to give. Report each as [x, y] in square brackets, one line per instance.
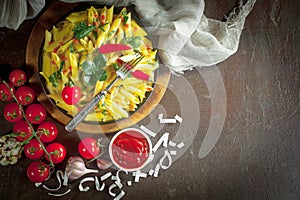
[258, 153]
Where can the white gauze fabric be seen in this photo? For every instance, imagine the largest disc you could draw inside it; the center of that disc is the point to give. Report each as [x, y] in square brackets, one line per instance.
[185, 38]
[14, 12]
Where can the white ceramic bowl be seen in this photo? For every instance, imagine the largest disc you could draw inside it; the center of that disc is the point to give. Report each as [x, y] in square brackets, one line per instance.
[125, 149]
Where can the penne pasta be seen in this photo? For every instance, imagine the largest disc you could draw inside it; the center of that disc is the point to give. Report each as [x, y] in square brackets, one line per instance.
[70, 56]
[137, 30]
[103, 15]
[109, 15]
[64, 47]
[77, 17]
[102, 35]
[117, 111]
[48, 38]
[127, 25]
[113, 29]
[92, 15]
[55, 60]
[46, 67]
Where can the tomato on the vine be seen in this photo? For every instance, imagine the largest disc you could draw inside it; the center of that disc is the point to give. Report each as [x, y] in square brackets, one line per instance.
[17, 77]
[35, 113]
[88, 148]
[5, 92]
[71, 94]
[38, 171]
[47, 131]
[23, 130]
[25, 95]
[12, 112]
[33, 149]
[57, 152]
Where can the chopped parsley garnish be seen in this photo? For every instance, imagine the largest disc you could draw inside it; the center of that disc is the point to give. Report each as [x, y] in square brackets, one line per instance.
[54, 77]
[82, 29]
[124, 13]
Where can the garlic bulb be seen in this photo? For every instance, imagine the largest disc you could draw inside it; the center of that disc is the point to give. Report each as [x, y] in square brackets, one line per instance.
[76, 168]
[10, 150]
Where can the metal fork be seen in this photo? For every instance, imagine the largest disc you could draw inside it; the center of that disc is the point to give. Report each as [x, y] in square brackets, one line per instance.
[122, 73]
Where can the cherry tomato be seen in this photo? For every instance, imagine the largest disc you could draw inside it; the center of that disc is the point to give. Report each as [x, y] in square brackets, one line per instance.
[47, 131]
[57, 152]
[25, 95]
[23, 130]
[5, 92]
[12, 112]
[38, 171]
[71, 94]
[33, 149]
[35, 113]
[17, 77]
[88, 148]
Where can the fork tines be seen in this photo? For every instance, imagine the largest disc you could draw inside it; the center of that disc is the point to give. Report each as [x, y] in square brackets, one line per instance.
[130, 65]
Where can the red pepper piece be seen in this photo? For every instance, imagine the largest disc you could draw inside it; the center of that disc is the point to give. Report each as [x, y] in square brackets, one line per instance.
[109, 48]
[140, 75]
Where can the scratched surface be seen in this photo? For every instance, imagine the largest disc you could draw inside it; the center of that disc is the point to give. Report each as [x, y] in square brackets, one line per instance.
[257, 155]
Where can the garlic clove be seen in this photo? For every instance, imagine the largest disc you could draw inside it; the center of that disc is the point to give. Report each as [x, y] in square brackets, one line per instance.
[76, 168]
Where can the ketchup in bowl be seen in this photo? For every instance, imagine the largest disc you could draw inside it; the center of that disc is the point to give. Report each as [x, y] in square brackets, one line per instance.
[129, 149]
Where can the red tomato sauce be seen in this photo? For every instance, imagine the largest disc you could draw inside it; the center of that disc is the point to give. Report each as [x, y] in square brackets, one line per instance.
[130, 149]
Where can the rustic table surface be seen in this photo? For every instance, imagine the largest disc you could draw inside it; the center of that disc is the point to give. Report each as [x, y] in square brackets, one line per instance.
[256, 91]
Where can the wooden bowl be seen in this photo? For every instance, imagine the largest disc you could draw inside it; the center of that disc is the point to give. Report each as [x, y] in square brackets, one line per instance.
[50, 17]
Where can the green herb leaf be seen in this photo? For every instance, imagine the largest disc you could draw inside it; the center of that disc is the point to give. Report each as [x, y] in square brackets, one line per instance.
[71, 48]
[82, 29]
[94, 70]
[100, 75]
[91, 80]
[103, 76]
[61, 66]
[125, 19]
[124, 13]
[116, 66]
[95, 34]
[134, 42]
[53, 78]
[99, 61]
[104, 112]
[101, 27]
[88, 67]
